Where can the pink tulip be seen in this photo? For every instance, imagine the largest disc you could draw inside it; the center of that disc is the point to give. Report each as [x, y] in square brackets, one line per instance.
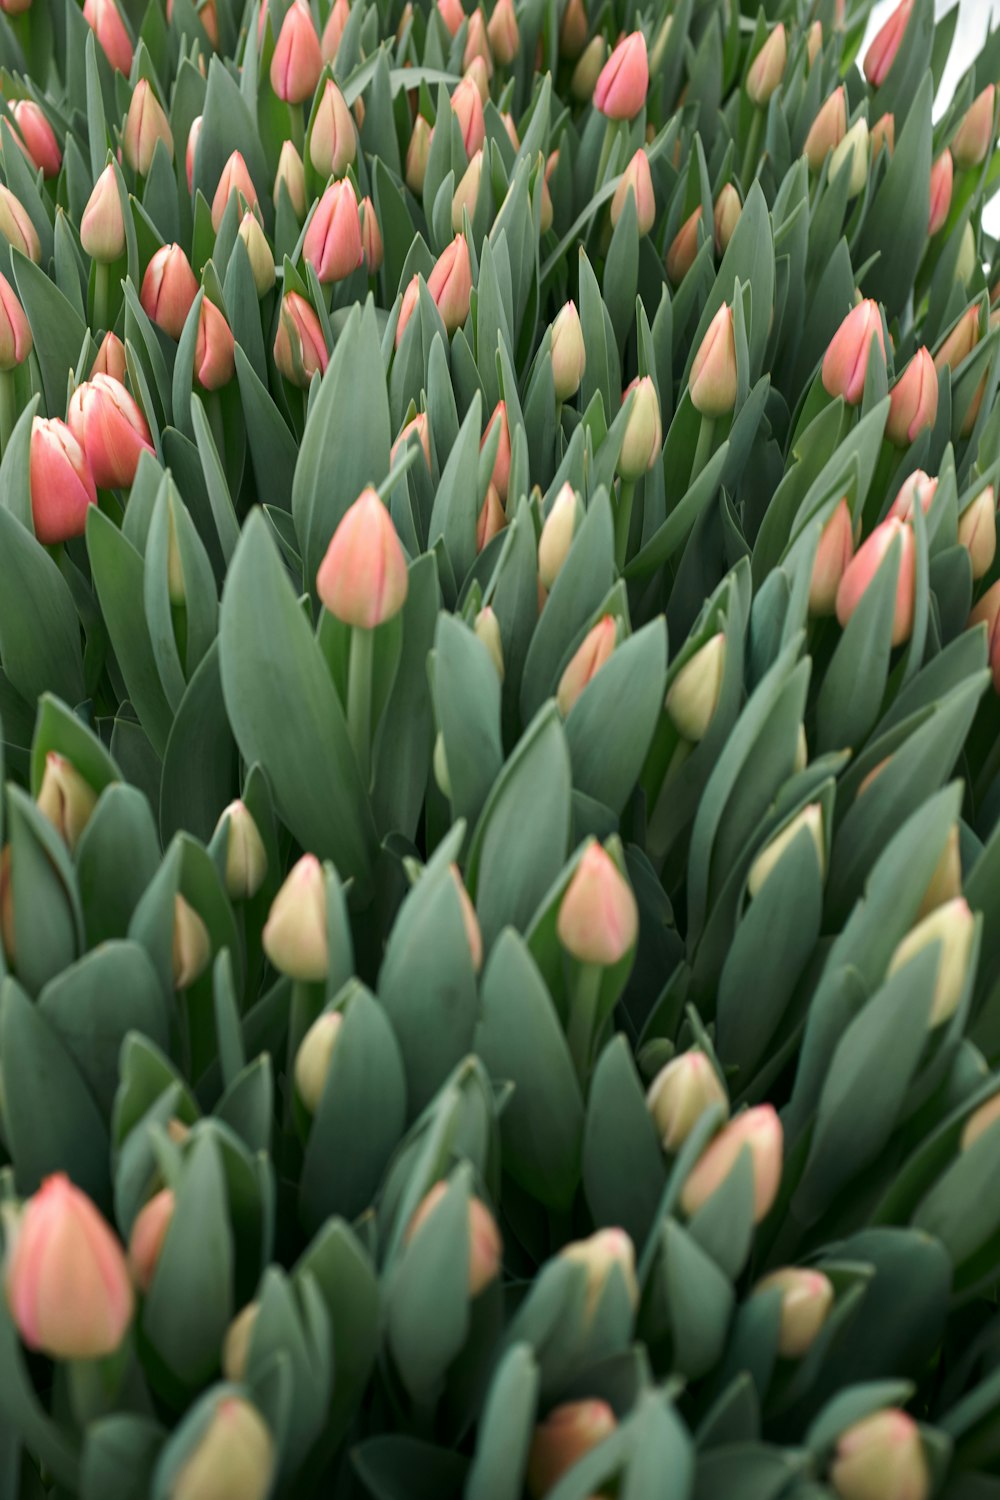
[768, 67]
[110, 359]
[477, 45]
[192, 146]
[913, 401]
[973, 139]
[363, 578]
[235, 179]
[636, 179]
[883, 134]
[371, 238]
[295, 933]
[168, 290]
[845, 364]
[452, 14]
[588, 659]
[501, 464]
[146, 126]
[62, 485]
[15, 331]
[450, 283]
[882, 52]
[492, 518]
[987, 612]
[643, 431]
[334, 30]
[757, 1131]
[620, 91]
[16, 225]
[566, 1436]
[485, 1244]
[834, 553]
[827, 130]
[881, 1456]
[977, 531]
[959, 343]
[15, 7]
[333, 239]
[917, 485]
[104, 19]
[684, 248]
[215, 349]
[942, 177]
[865, 565]
[467, 106]
[300, 349]
[146, 1240]
[713, 375]
[505, 38]
[38, 136]
[408, 307]
[110, 429]
[598, 920]
[420, 429]
[333, 141]
[297, 61]
[102, 226]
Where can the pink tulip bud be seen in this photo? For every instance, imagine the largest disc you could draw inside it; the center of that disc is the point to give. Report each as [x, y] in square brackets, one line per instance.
[810, 820]
[485, 1244]
[467, 106]
[684, 248]
[38, 136]
[960, 342]
[420, 429]
[102, 227]
[605, 1252]
[511, 129]
[408, 307]
[371, 238]
[334, 30]
[882, 52]
[636, 179]
[15, 331]
[768, 67]
[587, 73]
[168, 290]
[973, 139]
[695, 691]
[333, 239]
[883, 134]
[477, 45]
[417, 153]
[987, 612]
[492, 518]
[566, 1436]
[297, 61]
[363, 578]
[450, 283]
[16, 225]
[942, 176]
[192, 949]
[146, 1240]
[295, 933]
[504, 36]
[215, 350]
[806, 1299]
[236, 1345]
[757, 1131]
[834, 553]
[145, 126]
[574, 29]
[333, 141]
[712, 382]
[845, 363]
[950, 928]
[557, 535]
[598, 920]
[312, 1061]
[452, 14]
[827, 130]
[65, 798]
[569, 354]
[15, 7]
[980, 1121]
[977, 531]
[913, 401]
[501, 464]
[865, 565]
[680, 1094]
[299, 347]
[235, 179]
[470, 921]
[916, 486]
[586, 662]
[620, 91]
[110, 359]
[727, 215]
[192, 146]
[110, 429]
[62, 485]
[104, 19]
[643, 433]
[881, 1456]
[234, 1457]
[67, 1282]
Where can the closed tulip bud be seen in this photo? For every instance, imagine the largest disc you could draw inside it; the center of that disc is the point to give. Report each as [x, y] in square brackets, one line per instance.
[727, 215]
[258, 253]
[487, 630]
[980, 1121]
[601, 1255]
[557, 535]
[467, 192]
[492, 518]
[38, 136]
[420, 429]
[467, 106]
[297, 62]
[882, 52]
[363, 578]
[146, 1240]
[566, 1436]
[104, 19]
[851, 156]
[684, 248]
[827, 130]
[977, 531]
[574, 29]
[295, 933]
[62, 486]
[968, 257]
[712, 382]
[300, 349]
[845, 363]
[110, 359]
[66, 799]
[236, 1344]
[190, 150]
[192, 949]
[15, 331]
[680, 1094]
[960, 342]
[485, 1244]
[169, 288]
[504, 37]
[586, 662]
[417, 153]
[450, 283]
[145, 126]
[836, 547]
[810, 819]
[246, 857]
[916, 486]
[292, 173]
[371, 238]
[102, 227]
[881, 1458]
[333, 141]
[814, 41]
[636, 180]
[883, 134]
[332, 242]
[913, 401]
[973, 139]
[235, 1459]
[942, 177]
[987, 612]
[569, 353]
[951, 927]
[15, 7]
[235, 179]
[16, 226]
[215, 349]
[67, 1282]
[408, 307]
[768, 67]
[621, 89]
[452, 14]
[111, 430]
[588, 70]
[598, 920]
[477, 45]
[694, 693]
[806, 1299]
[501, 464]
[643, 435]
[312, 1061]
[470, 921]
[757, 1131]
[334, 30]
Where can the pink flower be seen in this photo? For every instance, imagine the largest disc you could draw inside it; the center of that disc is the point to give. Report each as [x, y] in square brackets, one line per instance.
[598, 920]
[38, 136]
[297, 61]
[845, 364]
[333, 239]
[104, 19]
[863, 567]
[620, 91]
[168, 289]
[882, 52]
[111, 430]
[363, 579]
[62, 485]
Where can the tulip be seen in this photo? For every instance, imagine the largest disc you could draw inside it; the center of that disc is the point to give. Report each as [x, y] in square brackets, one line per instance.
[757, 1131]
[450, 283]
[333, 30]
[371, 238]
[727, 215]
[16, 226]
[67, 1281]
[588, 70]
[15, 330]
[168, 290]
[477, 45]
[977, 531]
[569, 353]
[420, 429]
[834, 553]
[694, 693]
[486, 628]
[292, 173]
[574, 29]
[333, 238]
[643, 436]
[511, 129]
[684, 248]
[234, 1460]
[942, 176]
[883, 134]
[492, 518]
[145, 126]
[62, 485]
[235, 179]
[987, 612]
[452, 14]
[973, 139]
[104, 19]
[297, 61]
[470, 921]
[207, 14]
[192, 946]
[951, 927]
[960, 342]
[979, 1122]
[620, 91]
[102, 227]
[215, 349]
[946, 882]
[146, 1240]
[913, 401]
[15, 7]
[111, 430]
[110, 359]
[557, 535]
[65, 798]
[417, 153]
[916, 486]
[408, 307]
[236, 1344]
[38, 136]
[246, 857]
[810, 819]
[636, 180]
[598, 920]
[501, 464]
[827, 130]
[712, 383]
[467, 192]
[814, 42]
[566, 1436]
[586, 662]
[485, 1244]
[295, 933]
[845, 363]
[504, 37]
[852, 156]
[192, 147]
[467, 107]
[258, 253]
[806, 1299]
[768, 68]
[600, 1256]
[299, 347]
[312, 1061]
[881, 1458]
[363, 578]
[680, 1094]
[865, 565]
[882, 52]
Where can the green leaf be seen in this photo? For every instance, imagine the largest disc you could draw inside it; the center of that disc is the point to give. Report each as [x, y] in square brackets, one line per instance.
[39, 629]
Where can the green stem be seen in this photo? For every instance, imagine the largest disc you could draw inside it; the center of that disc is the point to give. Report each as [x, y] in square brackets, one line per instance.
[213, 410]
[359, 697]
[298, 127]
[610, 135]
[102, 287]
[750, 154]
[586, 993]
[8, 406]
[623, 521]
[703, 451]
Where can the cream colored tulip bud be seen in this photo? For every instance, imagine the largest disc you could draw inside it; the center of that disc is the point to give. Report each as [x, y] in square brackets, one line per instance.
[236, 1345]
[811, 819]
[66, 799]
[246, 857]
[600, 1255]
[806, 1299]
[192, 944]
[851, 156]
[312, 1061]
[680, 1094]
[951, 927]
[694, 692]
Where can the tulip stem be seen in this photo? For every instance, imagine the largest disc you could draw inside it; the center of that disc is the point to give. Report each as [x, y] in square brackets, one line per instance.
[8, 406]
[359, 697]
[623, 521]
[213, 410]
[102, 285]
[610, 136]
[583, 1005]
[703, 451]
[750, 155]
[298, 129]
